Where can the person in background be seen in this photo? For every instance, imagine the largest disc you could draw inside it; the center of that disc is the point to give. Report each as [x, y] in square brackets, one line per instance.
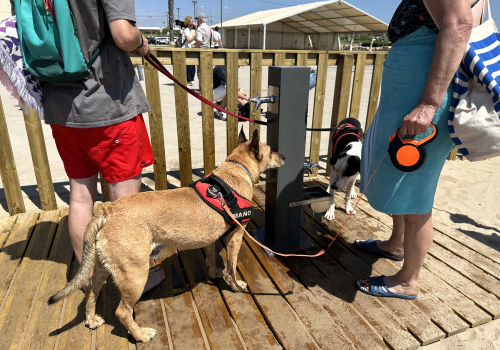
[187, 38]
[217, 38]
[220, 97]
[204, 38]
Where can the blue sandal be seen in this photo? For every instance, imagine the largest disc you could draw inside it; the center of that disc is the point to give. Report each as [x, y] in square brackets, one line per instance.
[379, 289]
[370, 246]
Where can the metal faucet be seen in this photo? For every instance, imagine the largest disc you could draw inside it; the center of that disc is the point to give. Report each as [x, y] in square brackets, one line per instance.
[258, 101]
[310, 166]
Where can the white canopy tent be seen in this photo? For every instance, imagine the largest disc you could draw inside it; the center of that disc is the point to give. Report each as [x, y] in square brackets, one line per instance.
[316, 25]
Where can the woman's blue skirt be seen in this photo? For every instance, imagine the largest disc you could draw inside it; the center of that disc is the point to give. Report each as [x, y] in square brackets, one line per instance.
[405, 72]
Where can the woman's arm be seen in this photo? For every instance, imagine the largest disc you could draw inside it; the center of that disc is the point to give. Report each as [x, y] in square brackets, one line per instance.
[454, 20]
[190, 38]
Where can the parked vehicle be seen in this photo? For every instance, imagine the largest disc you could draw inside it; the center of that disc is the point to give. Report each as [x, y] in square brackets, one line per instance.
[162, 40]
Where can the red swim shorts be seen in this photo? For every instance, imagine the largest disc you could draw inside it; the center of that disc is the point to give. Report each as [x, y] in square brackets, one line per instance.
[119, 151]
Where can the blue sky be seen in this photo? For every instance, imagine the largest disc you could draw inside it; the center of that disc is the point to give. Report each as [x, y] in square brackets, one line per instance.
[381, 9]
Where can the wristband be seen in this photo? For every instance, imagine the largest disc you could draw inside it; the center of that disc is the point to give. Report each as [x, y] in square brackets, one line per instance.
[142, 43]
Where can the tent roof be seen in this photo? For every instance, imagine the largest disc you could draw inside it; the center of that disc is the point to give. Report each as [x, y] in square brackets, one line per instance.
[317, 17]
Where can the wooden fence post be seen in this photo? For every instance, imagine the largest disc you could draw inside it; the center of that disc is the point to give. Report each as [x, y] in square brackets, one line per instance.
[378, 66]
[279, 58]
[255, 87]
[357, 86]
[182, 117]
[340, 97]
[302, 59]
[8, 171]
[156, 125]
[232, 100]
[40, 160]
[207, 91]
[319, 102]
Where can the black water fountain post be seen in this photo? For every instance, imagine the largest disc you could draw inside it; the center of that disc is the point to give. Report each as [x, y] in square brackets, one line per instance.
[286, 133]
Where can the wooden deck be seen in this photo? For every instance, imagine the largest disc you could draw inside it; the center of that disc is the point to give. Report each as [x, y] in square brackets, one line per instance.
[293, 303]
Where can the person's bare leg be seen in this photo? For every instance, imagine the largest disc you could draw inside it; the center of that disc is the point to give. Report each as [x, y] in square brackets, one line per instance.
[125, 188]
[417, 241]
[81, 205]
[223, 103]
[395, 244]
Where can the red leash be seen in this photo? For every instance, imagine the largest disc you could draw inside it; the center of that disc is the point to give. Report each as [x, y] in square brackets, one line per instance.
[155, 63]
[322, 251]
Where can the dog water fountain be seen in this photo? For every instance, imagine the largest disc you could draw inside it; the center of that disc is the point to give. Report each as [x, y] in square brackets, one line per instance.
[286, 133]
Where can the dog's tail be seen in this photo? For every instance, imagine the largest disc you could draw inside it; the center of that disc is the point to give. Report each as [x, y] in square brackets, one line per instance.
[89, 255]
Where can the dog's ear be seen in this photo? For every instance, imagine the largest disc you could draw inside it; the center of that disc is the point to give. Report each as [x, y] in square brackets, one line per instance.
[241, 137]
[255, 144]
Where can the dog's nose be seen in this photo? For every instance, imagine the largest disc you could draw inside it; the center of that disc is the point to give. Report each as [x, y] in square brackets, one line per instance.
[283, 157]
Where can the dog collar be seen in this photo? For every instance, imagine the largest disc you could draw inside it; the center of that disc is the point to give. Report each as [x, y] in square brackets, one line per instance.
[242, 167]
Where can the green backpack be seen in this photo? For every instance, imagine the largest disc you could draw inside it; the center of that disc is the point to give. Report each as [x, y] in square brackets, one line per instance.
[49, 42]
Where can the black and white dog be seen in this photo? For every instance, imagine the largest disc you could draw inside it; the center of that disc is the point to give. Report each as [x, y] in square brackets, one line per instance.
[345, 162]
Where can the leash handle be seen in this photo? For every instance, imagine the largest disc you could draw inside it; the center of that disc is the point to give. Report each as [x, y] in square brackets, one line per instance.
[156, 64]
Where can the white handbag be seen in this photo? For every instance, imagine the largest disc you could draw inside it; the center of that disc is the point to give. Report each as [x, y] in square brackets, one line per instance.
[474, 119]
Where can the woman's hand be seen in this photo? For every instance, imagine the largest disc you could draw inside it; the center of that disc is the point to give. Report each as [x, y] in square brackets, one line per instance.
[418, 120]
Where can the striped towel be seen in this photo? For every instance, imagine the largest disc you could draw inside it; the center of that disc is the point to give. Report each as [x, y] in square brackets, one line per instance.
[474, 117]
[13, 75]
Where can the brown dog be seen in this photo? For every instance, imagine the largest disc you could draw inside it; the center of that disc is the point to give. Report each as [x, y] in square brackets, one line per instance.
[120, 239]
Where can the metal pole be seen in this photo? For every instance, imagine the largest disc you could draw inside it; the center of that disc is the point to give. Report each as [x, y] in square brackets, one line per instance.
[248, 40]
[150, 25]
[194, 5]
[221, 31]
[235, 37]
[178, 13]
[352, 40]
[264, 46]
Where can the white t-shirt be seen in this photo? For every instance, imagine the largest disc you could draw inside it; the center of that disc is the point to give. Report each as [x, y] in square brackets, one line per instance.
[205, 34]
[186, 34]
[217, 37]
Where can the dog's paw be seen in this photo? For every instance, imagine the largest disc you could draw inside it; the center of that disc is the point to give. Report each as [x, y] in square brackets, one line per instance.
[147, 334]
[330, 215]
[215, 273]
[353, 195]
[242, 284]
[350, 210]
[97, 322]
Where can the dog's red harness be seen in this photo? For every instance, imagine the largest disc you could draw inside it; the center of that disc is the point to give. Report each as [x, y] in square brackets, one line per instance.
[217, 193]
[344, 130]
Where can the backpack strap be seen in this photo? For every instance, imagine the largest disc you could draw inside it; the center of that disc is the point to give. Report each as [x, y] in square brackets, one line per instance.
[98, 50]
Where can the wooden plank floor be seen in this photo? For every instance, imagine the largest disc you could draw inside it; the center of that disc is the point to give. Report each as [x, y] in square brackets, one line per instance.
[292, 303]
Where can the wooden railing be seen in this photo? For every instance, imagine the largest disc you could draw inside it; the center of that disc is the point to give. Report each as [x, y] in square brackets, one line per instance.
[206, 59]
